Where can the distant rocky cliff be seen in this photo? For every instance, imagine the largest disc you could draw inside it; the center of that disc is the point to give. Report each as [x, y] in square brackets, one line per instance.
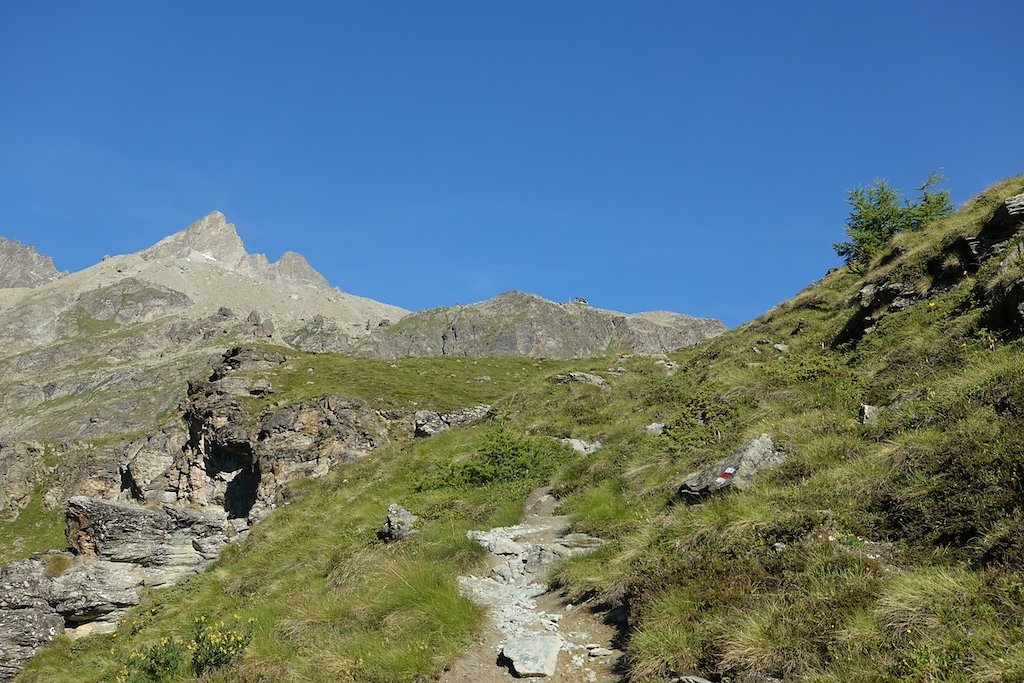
[519, 324]
[22, 266]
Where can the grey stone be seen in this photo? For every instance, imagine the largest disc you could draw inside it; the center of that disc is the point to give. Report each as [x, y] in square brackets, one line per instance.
[655, 428]
[582, 446]
[869, 414]
[533, 656]
[168, 543]
[431, 422]
[400, 523]
[781, 348]
[737, 471]
[580, 378]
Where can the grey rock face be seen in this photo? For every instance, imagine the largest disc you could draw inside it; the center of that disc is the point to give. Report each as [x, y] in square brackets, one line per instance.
[400, 523]
[96, 591]
[430, 422]
[518, 324]
[167, 543]
[738, 470]
[22, 266]
[27, 620]
[21, 469]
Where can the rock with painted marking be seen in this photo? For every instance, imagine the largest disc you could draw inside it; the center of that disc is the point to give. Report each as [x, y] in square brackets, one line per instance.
[737, 471]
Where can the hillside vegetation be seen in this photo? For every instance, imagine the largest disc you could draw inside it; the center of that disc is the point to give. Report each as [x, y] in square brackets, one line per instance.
[891, 550]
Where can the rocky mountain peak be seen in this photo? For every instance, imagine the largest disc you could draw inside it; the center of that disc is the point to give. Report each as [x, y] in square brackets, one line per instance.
[214, 241]
[211, 238]
[293, 267]
[22, 266]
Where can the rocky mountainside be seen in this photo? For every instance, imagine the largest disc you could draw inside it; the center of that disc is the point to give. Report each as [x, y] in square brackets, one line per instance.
[831, 492]
[22, 266]
[102, 351]
[81, 354]
[121, 413]
[519, 324]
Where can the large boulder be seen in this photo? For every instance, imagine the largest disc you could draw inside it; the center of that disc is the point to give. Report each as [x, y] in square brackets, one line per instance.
[431, 422]
[736, 471]
[533, 656]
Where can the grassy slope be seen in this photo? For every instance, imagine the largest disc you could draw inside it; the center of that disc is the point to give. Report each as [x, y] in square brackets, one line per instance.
[875, 553]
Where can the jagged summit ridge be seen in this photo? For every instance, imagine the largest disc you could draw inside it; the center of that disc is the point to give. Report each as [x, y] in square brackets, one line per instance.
[215, 241]
[22, 266]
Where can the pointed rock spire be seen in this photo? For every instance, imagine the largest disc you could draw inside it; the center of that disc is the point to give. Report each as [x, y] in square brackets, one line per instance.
[22, 266]
[211, 238]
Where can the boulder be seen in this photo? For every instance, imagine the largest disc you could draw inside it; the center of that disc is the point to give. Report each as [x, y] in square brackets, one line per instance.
[96, 591]
[580, 378]
[431, 422]
[582, 446]
[736, 471]
[655, 428]
[400, 523]
[533, 656]
[869, 414]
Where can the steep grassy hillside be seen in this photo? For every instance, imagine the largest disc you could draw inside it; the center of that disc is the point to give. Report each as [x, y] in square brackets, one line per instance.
[884, 551]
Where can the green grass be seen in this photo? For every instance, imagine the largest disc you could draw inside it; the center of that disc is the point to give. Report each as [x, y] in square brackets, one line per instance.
[34, 529]
[410, 383]
[885, 552]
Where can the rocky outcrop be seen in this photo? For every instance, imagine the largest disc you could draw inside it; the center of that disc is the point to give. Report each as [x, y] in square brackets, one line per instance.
[37, 603]
[518, 324]
[22, 266]
[27, 619]
[240, 462]
[431, 422]
[736, 471]
[22, 469]
[167, 543]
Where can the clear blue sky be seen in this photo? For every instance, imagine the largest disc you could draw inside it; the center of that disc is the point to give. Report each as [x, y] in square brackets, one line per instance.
[647, 155]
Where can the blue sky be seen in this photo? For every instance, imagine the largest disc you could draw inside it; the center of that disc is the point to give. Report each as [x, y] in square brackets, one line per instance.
[645, 155]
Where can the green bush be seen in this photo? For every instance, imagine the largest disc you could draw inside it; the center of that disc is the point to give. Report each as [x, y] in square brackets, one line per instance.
[160, 662]
[503, 457]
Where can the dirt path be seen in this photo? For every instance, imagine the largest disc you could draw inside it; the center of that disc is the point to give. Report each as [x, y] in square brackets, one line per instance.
[534, 631]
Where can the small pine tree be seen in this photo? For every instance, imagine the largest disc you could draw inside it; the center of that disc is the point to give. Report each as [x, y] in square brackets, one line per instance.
[880, 211]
